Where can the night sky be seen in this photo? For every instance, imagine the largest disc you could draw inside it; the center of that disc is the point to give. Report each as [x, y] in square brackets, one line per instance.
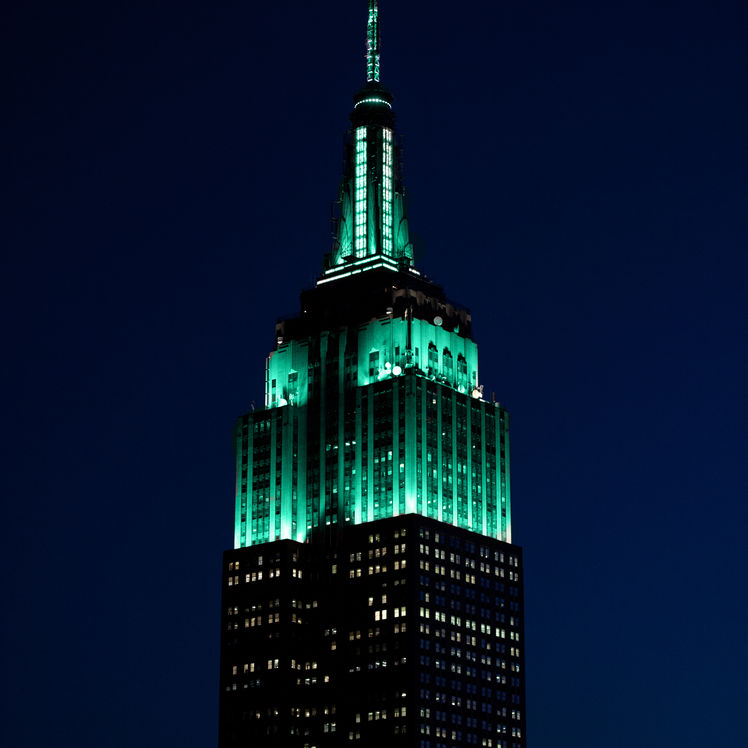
[577, 176]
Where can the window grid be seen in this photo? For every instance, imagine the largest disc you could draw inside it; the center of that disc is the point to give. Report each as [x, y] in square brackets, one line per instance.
[360, 190]
[387, 191]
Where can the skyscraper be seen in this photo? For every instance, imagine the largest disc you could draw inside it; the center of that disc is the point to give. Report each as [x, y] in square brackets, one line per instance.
[373, 593]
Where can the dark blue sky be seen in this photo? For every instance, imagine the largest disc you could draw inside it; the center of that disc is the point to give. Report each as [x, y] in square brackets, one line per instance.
[578, 176]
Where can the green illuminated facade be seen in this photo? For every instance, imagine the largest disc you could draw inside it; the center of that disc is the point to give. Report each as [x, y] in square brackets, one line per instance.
[373, 403]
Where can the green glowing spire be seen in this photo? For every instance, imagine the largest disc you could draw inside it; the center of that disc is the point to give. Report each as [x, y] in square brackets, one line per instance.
[371, 224]
[372, 43]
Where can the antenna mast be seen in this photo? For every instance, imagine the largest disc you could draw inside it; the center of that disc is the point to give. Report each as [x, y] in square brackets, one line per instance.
[372, 43]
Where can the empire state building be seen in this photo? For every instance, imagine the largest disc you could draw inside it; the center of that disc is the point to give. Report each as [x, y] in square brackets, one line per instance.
[373, 595]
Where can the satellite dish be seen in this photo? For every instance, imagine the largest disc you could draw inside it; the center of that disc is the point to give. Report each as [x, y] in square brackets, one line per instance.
[438, 321]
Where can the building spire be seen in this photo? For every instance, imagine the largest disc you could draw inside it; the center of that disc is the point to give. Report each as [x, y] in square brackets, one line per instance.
[372, 43]
[371, 227]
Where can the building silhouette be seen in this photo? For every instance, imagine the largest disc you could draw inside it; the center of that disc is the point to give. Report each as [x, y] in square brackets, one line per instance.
[373, 594]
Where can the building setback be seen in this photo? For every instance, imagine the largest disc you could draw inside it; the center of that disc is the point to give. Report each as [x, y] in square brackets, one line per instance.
[373, 593]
